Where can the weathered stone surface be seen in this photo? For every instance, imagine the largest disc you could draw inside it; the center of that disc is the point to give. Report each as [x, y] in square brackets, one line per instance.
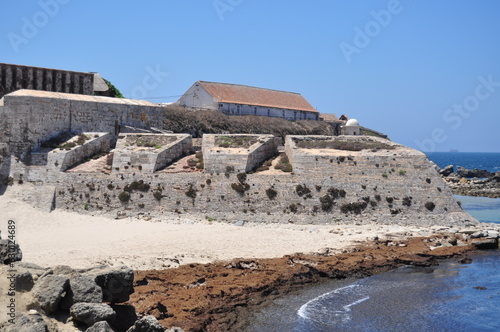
[82, 288]
[447, 170]
[26, 323]
[9, 252]
[24, 281]
[49, 290]
[116, 282]
[146, 324]
[100, 327]
[91, 313]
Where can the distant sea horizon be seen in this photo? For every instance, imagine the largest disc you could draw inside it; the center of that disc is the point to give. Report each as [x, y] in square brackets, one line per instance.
[489, 161]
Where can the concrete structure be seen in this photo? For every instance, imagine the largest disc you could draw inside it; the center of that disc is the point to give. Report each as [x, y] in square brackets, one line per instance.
[17, 77]
[235, 99]
[148, 153]
[33, 117]
[218, 158]
[351, 127]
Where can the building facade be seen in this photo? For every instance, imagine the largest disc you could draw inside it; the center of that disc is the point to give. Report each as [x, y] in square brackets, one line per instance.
[235, 99]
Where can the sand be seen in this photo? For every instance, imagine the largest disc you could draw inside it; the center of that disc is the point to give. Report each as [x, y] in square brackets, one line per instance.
[80, 241]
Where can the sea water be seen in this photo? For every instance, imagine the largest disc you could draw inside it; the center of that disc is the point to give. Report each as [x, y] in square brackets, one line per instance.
[449, 297]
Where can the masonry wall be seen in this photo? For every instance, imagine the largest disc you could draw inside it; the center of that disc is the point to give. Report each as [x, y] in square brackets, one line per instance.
[398, 199]
[17, 77]
[216, 159]
[147, 160]
[32, 117]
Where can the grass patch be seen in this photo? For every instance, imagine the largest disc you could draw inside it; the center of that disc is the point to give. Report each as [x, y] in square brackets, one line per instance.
[235, 141]
[345, 145]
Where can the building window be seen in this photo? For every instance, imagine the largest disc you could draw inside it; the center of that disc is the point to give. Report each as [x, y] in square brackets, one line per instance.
[255, 110]
[238, 109]
[268, 112]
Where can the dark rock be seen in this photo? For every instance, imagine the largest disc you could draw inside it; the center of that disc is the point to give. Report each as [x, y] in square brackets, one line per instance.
[100, 327]
[116, 282]
[24, 281]
[9, 252]
[49, 291]
[447, 170]
[26, 323]
[146, 324]
[91, 313]
[125, 316]
[485, 244]
[474, 173]
[82, 288]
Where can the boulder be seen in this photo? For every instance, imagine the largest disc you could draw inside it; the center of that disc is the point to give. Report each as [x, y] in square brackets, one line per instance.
[91, 313]
[27, 323]
[9, 252]
[146, 324]
[117, 283]
[82, 288]
[447, 170]
[100, 327]
[473, 173]
[49, 291]
[24, 281]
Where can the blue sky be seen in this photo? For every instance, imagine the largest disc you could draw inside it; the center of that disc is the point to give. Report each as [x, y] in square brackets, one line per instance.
[427, 73]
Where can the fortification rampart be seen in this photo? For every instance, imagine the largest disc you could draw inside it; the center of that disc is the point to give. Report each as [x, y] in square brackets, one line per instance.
[400, 188]
[32, 117]
[334, 179]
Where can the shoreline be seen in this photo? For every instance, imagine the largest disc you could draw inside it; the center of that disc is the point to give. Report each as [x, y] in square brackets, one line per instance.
[193, 260]
[223, 295]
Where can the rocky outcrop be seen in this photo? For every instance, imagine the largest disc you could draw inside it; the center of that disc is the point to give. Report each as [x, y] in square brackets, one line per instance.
[473, 173]
[447, 170]
[474, 182]
[80, 293]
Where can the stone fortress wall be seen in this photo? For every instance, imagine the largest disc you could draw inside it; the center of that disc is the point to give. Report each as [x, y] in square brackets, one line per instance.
[32, 117]
[381, 181]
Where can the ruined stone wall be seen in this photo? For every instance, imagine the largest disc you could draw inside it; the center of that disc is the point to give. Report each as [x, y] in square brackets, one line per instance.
[217, 158]
[32, 117]
[149, 160]
[16, 77]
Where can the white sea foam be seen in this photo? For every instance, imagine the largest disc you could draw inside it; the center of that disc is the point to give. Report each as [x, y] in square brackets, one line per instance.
[305, 310]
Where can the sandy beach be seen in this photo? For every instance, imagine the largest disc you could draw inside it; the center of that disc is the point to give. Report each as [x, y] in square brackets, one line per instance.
[62, 238]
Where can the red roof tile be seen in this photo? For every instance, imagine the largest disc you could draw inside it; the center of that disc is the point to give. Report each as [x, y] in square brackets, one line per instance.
[249, 95]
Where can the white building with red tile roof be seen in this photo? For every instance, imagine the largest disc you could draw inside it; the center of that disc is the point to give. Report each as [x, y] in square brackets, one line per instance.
[236, 99]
